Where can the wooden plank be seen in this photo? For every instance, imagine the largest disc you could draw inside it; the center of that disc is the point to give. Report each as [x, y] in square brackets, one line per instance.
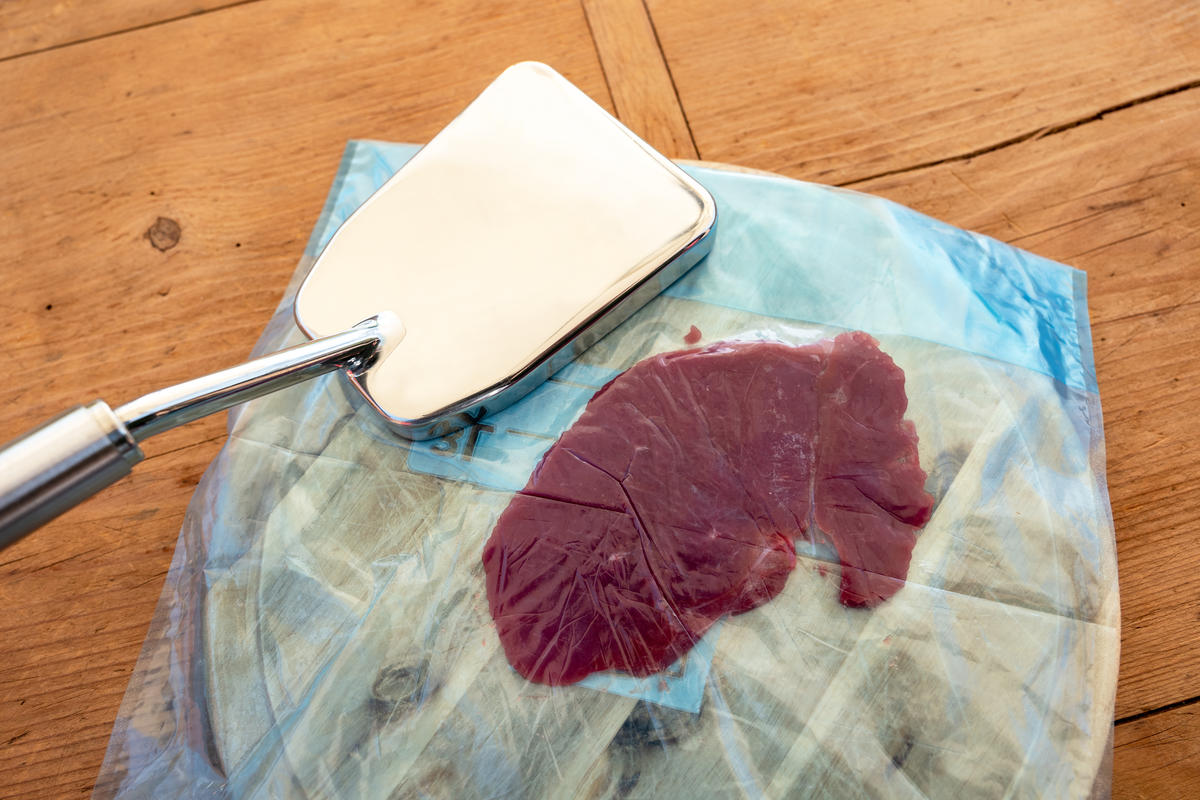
[78, 597]
[218, 116]
[29, 26]
[1158, 756]
[641, 85]
[1150, 416]
[1118, 198]
[838, 91]
[235, 136]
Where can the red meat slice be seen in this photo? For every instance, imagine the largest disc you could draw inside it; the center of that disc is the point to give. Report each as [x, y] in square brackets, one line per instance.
[869, 485]
[678, 495]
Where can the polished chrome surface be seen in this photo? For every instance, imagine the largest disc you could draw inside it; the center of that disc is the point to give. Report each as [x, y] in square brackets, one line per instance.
[354, 350]
[526, 230]
[530, 220]
[471, 409]
[54, 467]
[73, 456]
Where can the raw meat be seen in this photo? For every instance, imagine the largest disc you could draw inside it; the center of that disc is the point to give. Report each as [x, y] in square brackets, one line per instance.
[677, 497]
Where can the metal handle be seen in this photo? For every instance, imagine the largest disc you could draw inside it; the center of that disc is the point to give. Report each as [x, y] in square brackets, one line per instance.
[73, 456]
[60, 464]
[353, 350]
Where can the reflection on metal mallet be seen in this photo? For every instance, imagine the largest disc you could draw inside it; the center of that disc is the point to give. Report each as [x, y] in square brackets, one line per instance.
[529, 227]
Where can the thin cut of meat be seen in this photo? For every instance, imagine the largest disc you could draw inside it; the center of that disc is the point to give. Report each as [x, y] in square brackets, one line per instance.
[678, 495]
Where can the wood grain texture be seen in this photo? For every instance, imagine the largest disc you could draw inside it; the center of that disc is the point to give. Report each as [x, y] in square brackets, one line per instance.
[29, 26]
[78, 597]
[1158, 756]
[234, 135]
[837, 91]
[641, 85]
[1132, 225]
[231, 123]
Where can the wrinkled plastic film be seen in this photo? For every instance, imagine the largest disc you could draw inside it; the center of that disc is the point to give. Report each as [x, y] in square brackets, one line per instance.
[324, 630]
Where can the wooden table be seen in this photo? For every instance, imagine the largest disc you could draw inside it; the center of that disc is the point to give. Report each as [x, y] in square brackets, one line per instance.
[163, 163]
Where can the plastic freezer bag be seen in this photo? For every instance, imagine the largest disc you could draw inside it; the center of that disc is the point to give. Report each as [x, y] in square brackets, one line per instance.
[324, 629]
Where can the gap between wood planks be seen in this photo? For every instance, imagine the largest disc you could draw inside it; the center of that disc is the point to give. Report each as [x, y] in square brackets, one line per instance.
[1156, 711]
[636, 73]
[614, 32]
[1040, 133]
[593, 10]
[670, 77]
[105, 35]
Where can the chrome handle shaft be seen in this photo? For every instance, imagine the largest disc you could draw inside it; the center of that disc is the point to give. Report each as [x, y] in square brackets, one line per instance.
[58, 465]
[352, 350]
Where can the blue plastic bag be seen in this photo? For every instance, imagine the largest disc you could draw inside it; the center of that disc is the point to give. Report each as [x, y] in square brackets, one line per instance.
[324, 631]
